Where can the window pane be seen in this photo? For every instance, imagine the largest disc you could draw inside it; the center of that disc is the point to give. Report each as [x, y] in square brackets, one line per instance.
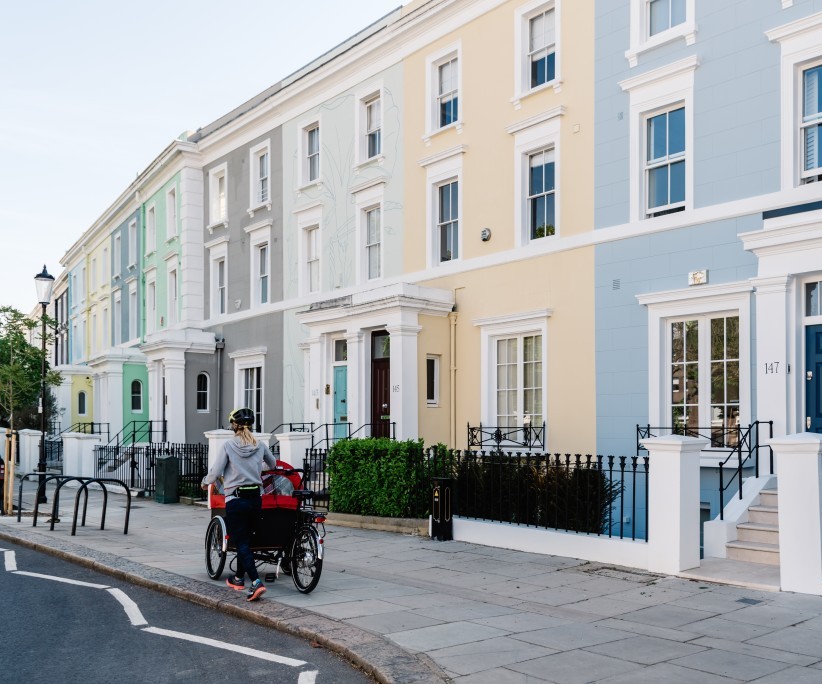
[692, 383]
[429, 380]
[718, 383]
[677, 384]
[813, 157]
[677, 12]
[658, 187]
[659, 20]
[717, 339]
[732, 337]
[657, 140]
[676, 131]
[677, 182]
[812, 95]
[732, 380]
[692, 340]
[677, 342]
[812, 299]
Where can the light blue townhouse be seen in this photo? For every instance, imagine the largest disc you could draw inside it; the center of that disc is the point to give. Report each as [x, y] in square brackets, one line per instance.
[708, 223]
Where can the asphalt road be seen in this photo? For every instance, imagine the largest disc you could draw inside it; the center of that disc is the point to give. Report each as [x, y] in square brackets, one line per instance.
[64, 623]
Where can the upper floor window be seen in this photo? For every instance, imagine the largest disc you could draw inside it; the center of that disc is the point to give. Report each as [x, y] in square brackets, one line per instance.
[132, 243]
[117, 255]
[132, 312]
[151, 230]
[171, 213]
[665, 162]
[541, 194]
[262, 273]
[656, 22]
[202, 393]
[260, 175]
[542, 48]
[448, 220]
[447, 93]
[373, 127]
[151, 306]
[312, 258]
[373, 232]
[664, 14]
[220, 286]
[218, 206]
[811, 124]
[172, 296]
[82, 409]
[312, 153]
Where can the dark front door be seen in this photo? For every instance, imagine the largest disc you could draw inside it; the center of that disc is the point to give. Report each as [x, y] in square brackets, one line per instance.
[813, 378]
[380, 384]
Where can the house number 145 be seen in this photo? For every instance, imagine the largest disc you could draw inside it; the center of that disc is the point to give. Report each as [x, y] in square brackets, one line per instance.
[772, 367]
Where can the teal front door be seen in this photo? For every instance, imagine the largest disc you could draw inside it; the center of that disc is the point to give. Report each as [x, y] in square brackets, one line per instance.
[813, 378]
[340, 402]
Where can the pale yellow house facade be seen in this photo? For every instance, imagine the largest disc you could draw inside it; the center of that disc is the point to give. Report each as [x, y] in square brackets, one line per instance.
[518, 348]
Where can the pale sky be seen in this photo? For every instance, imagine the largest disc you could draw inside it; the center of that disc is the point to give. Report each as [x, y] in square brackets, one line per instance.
[91, 91]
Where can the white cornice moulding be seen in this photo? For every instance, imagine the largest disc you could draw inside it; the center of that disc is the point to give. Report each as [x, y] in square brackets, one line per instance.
[696, 292]
[662, 73]
[508, 319]
[258, 226]
[211, 244]
[445, 154]
[536, 120]
[253, 351]
[365, 185]
[794, 28]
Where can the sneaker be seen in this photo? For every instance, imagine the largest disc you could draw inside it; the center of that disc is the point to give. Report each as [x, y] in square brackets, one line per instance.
[257, 590]
[236, 583]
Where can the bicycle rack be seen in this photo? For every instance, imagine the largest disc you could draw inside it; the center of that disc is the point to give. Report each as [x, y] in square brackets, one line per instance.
[83, 489]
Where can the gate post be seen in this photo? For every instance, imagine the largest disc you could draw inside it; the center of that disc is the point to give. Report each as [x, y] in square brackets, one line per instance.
[78, 453]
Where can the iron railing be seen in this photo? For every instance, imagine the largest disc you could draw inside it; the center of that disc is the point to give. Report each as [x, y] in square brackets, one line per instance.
[90, 428]
[54, 453]
[325, 435]
[507, 437]
[742, 445]
[141, 432]
[136, 465]
[593, 495]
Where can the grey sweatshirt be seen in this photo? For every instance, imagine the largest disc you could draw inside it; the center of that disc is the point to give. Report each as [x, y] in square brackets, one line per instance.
[239, 464]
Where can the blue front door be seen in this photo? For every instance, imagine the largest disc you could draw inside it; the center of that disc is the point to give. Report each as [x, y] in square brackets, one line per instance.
[340, 402]
[813, 378]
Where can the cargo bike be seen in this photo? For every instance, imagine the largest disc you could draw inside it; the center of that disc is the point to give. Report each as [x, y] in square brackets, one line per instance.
[288, 535]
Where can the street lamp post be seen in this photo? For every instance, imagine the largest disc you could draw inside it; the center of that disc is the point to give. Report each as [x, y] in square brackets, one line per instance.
[44, 284]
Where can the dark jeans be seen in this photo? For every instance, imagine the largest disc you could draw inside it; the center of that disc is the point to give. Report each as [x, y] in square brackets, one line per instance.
[241, 518]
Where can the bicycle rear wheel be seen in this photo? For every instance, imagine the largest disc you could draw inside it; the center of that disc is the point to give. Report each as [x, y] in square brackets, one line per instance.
[215, 547]
[306, 564]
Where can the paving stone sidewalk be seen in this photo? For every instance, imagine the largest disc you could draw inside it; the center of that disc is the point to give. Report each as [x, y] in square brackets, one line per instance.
[411, 609]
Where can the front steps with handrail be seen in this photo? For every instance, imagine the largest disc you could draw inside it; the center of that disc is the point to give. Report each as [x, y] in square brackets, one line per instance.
[758, 539]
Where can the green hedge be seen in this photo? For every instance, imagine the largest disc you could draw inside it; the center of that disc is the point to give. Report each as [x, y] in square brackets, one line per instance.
[379, 476]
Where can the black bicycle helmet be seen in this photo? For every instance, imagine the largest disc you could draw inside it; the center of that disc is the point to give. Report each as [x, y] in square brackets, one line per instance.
[242, 416]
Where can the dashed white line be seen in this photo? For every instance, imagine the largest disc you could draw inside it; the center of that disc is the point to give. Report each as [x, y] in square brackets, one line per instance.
[131, 608]
[65, 580]
[11, 561]
[271, 657]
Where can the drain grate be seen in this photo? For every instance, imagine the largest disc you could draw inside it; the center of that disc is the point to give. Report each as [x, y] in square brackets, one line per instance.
[749, 601]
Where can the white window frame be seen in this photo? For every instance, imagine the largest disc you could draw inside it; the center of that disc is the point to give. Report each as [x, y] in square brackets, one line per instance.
[522, 39]
[256, 198]
[172, 290]
[245, 359]
[441, 168]
[82, 408]
[93, 332]
[207, 393]
[133, 311]
[151, 301]
[259, 235]
[171, 213]
[93, 274]
[312, 241]
[106, 331]
[432, 65]
[105, 266]
[433, 402]
[118, 319]
[151, 229]
[539, 133]
[217, 253]
[217, 201]
[304, 176]
[640, 39]
[307, 219]
[668, 161]
[366, 199]
[799, 42]
[131, 396]
[697, 302]
[117, 255]
[522, 324]
[132, 244]
[363, 100]
[650, 93]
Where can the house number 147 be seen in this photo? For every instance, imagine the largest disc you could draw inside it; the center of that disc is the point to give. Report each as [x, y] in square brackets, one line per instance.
[772, 367]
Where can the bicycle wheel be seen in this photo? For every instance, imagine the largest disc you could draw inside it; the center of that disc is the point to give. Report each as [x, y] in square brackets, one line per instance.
[306, 564]
[215, 552]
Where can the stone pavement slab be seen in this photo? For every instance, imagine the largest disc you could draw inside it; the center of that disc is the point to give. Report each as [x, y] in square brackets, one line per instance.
[411, 609]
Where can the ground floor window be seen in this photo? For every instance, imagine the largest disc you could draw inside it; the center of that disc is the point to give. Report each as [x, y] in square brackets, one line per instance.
[704, 365]
[519, 388]
[252, 393]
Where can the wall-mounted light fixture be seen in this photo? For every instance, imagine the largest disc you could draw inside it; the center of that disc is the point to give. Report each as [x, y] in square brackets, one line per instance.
[485, 234]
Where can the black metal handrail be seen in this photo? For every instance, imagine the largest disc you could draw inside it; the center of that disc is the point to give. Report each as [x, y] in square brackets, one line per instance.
[140, 431]
[324, 435]
[522, 436]
[745, 448]
[294, 427]
[89, 428]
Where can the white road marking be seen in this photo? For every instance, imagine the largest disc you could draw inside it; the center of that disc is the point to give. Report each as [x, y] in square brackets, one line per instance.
[131, 608]
[271, 657]
[308, 677]
[11, 561]
[65, 580]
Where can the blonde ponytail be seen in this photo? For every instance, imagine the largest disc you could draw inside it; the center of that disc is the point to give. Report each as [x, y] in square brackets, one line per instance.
[245, 436]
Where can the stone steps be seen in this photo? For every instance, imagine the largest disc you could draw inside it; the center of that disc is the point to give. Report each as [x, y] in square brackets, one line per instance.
[758, 539]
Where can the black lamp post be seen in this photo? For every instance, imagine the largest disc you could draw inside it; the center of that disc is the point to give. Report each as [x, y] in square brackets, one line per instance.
[44, 284]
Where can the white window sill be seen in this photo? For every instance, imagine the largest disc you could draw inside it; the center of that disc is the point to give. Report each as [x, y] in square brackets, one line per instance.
[222, 223]
[309, 186]
[456, 126]
[252, 210]
[376, 160]
[171, 239]
[686, 31]
[131, 267]
[434, 404]
[556, 85]
[150, 254]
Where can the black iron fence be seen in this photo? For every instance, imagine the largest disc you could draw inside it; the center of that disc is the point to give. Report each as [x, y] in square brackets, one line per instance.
[90, 428]
[141, 432]
[136, 465]
[595, 495]
[54, 453]
[325, 435]
[507, 437]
